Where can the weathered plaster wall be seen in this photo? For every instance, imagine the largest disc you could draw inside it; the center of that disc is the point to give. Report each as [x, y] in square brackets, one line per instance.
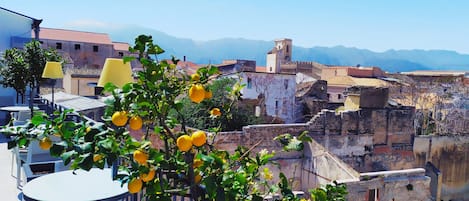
[450, 155]
[410, 184]
[367, 139]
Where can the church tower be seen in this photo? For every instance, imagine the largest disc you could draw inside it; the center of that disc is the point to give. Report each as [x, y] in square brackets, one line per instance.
[280, 54]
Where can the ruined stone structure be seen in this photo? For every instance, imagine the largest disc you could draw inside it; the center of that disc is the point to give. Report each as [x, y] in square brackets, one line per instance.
[367, 140]
[237, 65]
[311, 98]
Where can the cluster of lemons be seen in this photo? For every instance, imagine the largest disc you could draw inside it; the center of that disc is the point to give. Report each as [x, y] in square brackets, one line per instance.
[135, 185]
[120, 118]
[197, 92]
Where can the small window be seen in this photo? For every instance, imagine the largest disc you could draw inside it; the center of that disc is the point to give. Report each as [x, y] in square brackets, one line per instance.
[373, 195]
[58, 46]
[95, 48]
[42, 42]
[276, 107]
[77, 47]
[285, 83]
[270, 69]
[287, 48]
[339, 96]
[121, 54]
[249, 85]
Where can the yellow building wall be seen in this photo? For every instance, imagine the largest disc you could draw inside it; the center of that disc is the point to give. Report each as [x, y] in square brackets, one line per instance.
[352, 102]
[79, 85]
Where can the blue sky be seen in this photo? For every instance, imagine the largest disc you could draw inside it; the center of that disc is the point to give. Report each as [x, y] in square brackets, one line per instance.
[368, 24]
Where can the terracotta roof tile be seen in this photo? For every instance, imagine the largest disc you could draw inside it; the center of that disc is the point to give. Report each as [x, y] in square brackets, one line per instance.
[71, 35]
[121, 46]
[260, 68]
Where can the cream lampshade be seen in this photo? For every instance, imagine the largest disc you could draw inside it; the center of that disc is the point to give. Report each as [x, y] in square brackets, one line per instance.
[53, 70]
[115, 71]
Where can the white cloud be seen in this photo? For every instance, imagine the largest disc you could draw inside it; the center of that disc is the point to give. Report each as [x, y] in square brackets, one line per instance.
[88, 23]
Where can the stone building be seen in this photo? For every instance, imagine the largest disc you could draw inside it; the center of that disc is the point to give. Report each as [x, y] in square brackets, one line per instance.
[237, 65]
[363, 72]
[370, 149]
[83, 49]
[279, 60]
[273, 94]
[81, 81]
[337, 85]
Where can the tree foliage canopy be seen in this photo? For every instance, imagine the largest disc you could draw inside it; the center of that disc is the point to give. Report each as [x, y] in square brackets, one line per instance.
[23, 67]
[238, 115]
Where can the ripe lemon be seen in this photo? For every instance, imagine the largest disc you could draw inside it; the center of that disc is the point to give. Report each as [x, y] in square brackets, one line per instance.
[215, 112]
[135, 123]
[208, 94]
[148, 177]
[45, 143]
[184, 143]
[197, 93]
[119, 118]
[88, 129]
[140, 157]
[198, 138]
[197, 163]
[97, 157]
[135, 185]
[195, 77]
[197, 178]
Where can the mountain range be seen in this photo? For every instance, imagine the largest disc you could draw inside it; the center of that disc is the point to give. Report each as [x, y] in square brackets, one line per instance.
[214, 51]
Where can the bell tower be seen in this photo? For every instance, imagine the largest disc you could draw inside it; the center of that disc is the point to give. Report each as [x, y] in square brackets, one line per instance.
[280, 54]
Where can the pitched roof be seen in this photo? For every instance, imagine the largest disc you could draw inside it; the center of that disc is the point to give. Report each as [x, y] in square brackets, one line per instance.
[121, 46]
[71, 35]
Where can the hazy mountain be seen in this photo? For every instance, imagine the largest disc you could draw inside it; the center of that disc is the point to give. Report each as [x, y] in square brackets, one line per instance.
[214, 51]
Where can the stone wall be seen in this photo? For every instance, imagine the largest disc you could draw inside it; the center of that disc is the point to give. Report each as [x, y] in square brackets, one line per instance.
[410, 184]
[450, 155]
[367, 139]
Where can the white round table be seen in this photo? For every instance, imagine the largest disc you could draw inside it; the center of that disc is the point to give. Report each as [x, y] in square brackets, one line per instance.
[96, 184]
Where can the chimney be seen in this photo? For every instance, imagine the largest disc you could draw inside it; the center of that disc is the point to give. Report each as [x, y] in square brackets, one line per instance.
[184, 58]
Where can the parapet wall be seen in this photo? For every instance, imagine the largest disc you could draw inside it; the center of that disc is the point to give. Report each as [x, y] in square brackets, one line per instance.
[367, 139]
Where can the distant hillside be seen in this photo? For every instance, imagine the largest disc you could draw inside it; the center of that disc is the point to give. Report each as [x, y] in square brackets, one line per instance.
[214, 51]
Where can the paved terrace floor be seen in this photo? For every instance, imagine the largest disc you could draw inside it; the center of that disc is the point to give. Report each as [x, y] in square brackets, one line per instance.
[8, 190]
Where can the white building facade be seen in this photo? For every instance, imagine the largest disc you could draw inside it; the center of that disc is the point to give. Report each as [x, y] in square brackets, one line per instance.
[275, 93]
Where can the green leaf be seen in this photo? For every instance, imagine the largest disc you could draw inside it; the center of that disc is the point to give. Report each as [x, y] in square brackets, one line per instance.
[67, 156]
[128, 58]
[304, 137]
[294, 145]
[86, 147]
[206, 158]
[109, 87]
[57, 149]
[37, 119]
[213, 70]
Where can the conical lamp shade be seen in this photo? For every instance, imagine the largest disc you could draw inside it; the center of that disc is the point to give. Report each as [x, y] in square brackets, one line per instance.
[116, 72]
[53, 70]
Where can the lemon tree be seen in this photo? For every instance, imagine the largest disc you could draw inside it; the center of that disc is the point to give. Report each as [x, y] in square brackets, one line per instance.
[170, 159]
